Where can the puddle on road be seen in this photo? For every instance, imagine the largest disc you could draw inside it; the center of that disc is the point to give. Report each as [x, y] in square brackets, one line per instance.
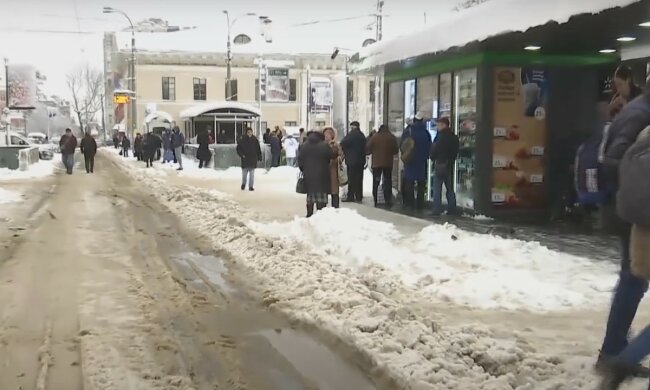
[213, 268]
[316, 362]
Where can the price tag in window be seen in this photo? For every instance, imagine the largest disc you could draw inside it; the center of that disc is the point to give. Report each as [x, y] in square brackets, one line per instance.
[498, 197]
[500, 132]
[499, 162]
[536, 179]
[537, 150]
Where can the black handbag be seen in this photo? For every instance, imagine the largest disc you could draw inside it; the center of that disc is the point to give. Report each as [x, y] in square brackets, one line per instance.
[300, 185]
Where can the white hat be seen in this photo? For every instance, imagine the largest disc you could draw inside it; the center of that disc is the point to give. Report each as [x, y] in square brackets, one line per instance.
[419, 116]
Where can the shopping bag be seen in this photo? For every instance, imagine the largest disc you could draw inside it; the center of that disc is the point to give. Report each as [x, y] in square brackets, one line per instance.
[640, 251]
[343, 174]
[300, 184]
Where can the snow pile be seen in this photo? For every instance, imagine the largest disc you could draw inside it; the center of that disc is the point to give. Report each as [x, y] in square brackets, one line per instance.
[39, 170]
[372, 312]
[469, 269]
[7, 196]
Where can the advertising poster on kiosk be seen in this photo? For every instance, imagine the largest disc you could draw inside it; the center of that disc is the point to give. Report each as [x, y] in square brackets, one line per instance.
[519, 138]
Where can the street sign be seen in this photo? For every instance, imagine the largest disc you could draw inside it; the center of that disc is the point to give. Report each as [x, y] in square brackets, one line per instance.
[120, 99]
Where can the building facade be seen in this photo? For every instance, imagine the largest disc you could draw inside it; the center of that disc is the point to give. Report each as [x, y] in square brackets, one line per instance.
[290, 96]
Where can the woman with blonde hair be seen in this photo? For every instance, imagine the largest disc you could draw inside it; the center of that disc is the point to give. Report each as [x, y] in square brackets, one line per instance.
[337, 156]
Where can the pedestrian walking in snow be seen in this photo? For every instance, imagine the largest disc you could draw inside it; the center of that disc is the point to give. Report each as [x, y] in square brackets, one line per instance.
[203, 152]
[88, 148]
[151, 146]
[335, 162]
[415, 168]
[275, 142]
[354, 150]
[168, 154]
[68, 145]
[623, 132]
[250, 152]
[137, 147]
[266, 138]
[302, 137]
[178, 141]
[126, 145]
[291, 146]
[382, 147]
[116, 140]
[314, 163]
[444, 152]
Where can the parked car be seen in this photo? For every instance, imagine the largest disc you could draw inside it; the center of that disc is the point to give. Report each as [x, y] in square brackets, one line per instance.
[45, 151]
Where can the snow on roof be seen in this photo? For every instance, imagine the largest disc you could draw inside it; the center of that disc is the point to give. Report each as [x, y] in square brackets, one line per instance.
[201, 109]
[158, 115]
[478, 23]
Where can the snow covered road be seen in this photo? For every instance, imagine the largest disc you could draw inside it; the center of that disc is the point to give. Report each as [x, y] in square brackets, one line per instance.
[447, 318]
[101, 289]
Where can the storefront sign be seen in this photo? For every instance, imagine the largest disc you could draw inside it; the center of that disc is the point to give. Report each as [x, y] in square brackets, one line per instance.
[277, 85]
[520, 111]
[120, 99]
[21, 81]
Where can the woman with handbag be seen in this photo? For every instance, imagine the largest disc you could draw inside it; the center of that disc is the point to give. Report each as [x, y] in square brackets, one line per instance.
[335, 165]
[314, 163]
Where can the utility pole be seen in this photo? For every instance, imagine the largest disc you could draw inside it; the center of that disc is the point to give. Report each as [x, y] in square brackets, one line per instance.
[378, 87]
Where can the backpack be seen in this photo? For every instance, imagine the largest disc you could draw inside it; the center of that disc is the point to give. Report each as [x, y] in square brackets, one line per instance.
[407, 147]
[633, 194]
[588, 175]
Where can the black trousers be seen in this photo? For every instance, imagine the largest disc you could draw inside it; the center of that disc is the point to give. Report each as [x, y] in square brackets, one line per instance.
[355, 183]
[387, 175]
[413, 193]
[149, 156]
[90, 162]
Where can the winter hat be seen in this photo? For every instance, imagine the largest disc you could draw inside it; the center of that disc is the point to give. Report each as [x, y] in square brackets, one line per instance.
[419, 116]
[444, 120]
[355, 124]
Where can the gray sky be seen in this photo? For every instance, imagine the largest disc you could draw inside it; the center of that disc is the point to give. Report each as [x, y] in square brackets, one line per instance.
[57, 54]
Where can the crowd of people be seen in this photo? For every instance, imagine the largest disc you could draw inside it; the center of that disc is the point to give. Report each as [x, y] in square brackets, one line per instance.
[147, 148]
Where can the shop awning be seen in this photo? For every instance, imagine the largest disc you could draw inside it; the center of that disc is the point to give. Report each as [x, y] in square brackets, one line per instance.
[225, 108]
[479, 23]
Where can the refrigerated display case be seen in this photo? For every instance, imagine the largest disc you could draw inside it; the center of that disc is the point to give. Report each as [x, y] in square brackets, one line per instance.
[465, 127]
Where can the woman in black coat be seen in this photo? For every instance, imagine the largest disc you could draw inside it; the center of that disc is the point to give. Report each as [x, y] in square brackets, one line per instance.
[314, 163]
[203, 152]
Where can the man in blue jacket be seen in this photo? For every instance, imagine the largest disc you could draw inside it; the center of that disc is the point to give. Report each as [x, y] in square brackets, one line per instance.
[415, 170]
[623, 132]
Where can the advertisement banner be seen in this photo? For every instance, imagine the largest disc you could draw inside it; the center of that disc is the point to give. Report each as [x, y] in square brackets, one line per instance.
[519, 138]
[277, 85]
[21, 81]
[322, 96]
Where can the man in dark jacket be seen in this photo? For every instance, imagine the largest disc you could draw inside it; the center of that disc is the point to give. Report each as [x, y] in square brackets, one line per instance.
[382, 146]
[623, 132]
[89, 150]
[151, 146]
[444, 152]
[203, 152]
[276, 148]
[168, 155]
[354, 150]
[415, 170]
[126, 145]
[314, 163]
[248, 149]
[267, 136]
[178, 141]
[68, 144]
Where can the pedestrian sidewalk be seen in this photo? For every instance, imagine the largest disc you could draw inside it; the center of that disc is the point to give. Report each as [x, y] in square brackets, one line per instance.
[275, 199]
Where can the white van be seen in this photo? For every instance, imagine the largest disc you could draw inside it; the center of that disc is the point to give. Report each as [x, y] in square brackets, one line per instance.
[44, 150]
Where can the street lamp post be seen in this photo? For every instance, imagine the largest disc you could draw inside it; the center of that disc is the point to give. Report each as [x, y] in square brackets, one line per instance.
[132, 86]
[230, 24]
[335, 54]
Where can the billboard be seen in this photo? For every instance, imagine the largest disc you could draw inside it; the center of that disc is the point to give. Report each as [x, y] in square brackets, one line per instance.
[21, 81]
[277, 85]
[321, 96]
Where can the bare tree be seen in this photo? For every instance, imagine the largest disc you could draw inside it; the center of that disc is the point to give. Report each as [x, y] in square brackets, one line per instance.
[87, 89]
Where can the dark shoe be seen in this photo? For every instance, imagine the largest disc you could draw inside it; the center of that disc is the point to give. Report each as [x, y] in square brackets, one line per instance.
[614, 373]
[251, 189]
[605, 363]
[179, 169]
[243, 187]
